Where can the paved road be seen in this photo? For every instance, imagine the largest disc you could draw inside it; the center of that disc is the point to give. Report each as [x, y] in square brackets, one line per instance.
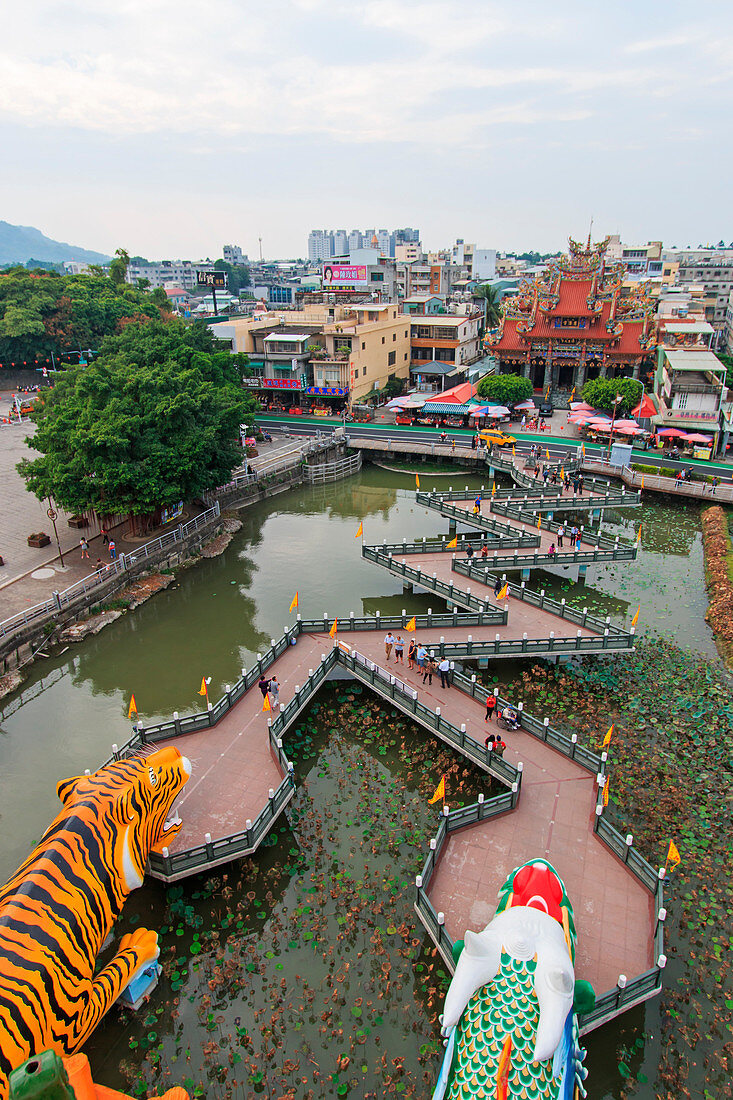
[557, 448]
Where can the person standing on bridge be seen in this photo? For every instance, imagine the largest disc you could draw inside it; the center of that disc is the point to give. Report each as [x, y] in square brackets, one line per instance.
[399, 649]
[388, 643]
[560, 535]
[264, 685]
[498, 585]
[444, 670]
[411, 653]
[469, 551]
[274, 689]
[491, 710]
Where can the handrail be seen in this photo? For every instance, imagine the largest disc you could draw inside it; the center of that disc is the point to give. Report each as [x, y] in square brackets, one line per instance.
[447, 591]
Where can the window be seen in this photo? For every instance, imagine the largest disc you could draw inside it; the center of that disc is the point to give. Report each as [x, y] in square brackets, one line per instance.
[363, 345]
[382, 339]
[377, 276]
[405, 355]
[391, 358]
[405, 333]
[443, 333]
[394, 337]
[363, 371]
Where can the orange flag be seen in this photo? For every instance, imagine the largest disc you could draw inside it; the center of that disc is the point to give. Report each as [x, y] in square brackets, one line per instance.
[493, 488]
[547, 452]
[334, 628]
[417, 481]
[539, 523]
[411, 626]
[607, 738]
[360, 532]
[133, 708]
[642, 481]
[439, 791]
[504, 592]
[266, 703]
[605, 793]
[638, 537]
[204, 689]
[293, 602]
[635, 619]
[453, 544]
[673, 856]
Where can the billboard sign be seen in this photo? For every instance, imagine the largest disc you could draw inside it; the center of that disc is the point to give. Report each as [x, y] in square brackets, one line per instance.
[217, 279]
[344, 276]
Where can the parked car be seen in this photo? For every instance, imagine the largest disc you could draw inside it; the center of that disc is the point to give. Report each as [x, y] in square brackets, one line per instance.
[545, 408]
[494, 438]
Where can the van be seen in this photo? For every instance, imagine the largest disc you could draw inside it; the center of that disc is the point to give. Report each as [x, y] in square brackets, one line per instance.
[492, 437]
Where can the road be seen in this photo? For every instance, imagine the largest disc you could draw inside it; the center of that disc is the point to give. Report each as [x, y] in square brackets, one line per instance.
[558, 448]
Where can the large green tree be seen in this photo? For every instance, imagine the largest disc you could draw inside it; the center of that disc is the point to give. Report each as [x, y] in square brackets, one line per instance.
[492, 298]
[504, 389]
[153, 420]
[238, 276]
[602, 392]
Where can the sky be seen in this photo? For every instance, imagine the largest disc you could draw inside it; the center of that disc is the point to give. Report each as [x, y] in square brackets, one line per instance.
[172, 127]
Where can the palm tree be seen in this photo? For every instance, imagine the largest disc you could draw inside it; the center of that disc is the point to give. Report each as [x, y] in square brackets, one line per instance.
[492, 312]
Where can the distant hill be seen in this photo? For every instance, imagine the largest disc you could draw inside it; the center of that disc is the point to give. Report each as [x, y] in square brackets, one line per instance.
[20, 243]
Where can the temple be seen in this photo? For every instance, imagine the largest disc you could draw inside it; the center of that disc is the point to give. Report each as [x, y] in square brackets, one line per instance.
[573, 322]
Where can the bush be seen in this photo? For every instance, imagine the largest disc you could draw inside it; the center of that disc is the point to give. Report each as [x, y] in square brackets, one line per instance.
[600, 393]
[504, 389]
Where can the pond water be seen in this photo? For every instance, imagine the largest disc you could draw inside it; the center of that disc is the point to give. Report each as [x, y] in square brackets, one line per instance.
[212, 621]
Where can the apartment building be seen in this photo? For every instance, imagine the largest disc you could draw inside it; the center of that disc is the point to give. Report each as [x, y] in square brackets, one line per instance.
[644, 260]
[713, 269]
[181, 273]
[233, 255]
[442, 347]
[689, 390]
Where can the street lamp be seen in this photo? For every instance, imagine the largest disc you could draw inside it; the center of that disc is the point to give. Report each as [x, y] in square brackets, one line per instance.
[617, 399]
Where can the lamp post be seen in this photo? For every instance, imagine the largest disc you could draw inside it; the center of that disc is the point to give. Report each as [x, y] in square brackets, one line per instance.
[52, 513]
[616, 400]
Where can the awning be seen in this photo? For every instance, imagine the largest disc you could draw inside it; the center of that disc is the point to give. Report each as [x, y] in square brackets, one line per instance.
[433, 367]
[440, 408]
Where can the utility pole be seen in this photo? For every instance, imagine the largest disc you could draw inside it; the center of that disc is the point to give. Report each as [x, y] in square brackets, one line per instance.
[260, 240]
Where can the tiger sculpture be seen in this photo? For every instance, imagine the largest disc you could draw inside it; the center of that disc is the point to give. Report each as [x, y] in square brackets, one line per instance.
[60, 906]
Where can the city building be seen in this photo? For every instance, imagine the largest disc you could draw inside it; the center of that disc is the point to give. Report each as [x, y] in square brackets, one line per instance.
[407, 236]
[423, 304]
[689, 390]
[74, 267]
[320, 245]
[713, 269]
[356, 240]
[442, 349]
[181, 273]
[484, 264]
[326, 243]
[571, 323]
[408, 253]
[233, 255]
[645, 260]
[366, 272]
[340, 243]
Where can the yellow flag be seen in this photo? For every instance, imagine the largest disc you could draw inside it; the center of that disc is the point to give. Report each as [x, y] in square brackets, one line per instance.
[417, 481]
[582, 449]
[204, 690]
[360, 531]
[412, 625]
[642, 481]
[504, 592]
[673, 856]
[334, 628]
[539, 523]
[293, 602]
[638, 537]
[562, 472]
[635, 619]
[266, 703]
[439, 791]
[514, 453]
[605, 793]
[607, 738]
[453, 544]
[493, 488]
[547, 452]
[133, 708]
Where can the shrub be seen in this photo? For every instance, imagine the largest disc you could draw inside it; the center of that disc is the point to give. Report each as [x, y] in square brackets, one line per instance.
[504, 389]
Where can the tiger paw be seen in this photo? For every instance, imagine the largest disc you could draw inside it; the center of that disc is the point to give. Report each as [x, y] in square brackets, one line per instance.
[143, 943]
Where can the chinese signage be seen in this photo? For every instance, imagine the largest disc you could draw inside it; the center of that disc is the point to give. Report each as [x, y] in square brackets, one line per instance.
[344, 275]
[212, 278]
[324, 391]
[171, 513]
[281, 383]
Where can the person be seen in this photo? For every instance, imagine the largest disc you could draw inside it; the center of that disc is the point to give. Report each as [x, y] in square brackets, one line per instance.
[524, 421]
[112, 549]
[444, 669]
[443, 437]
[677, 480]
[581, 481]
[411, 653]
[429, 668]
[551, 551]
[577, 541]
[473, 442]
[490, 742]
[477, 503]
[560, 535]
[84, 548]
[264, 685]
[399, 649]
[274, 689]
[105, 536]
[453, 444]
[714, 485]
[485, 548]
[545, 474]
[420, 657]
[100, 565]
[498, 585]
[510, 717]
[490, 706]
[469, 551]
[388, 643]
[499, 746]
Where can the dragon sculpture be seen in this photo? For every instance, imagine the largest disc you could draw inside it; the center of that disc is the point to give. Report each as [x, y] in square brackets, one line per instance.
[509, 1021]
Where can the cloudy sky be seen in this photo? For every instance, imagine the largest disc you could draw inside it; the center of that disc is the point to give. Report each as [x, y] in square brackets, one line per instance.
[171, 126]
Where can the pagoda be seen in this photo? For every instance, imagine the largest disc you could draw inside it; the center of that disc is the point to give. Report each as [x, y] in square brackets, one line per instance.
[572, 322]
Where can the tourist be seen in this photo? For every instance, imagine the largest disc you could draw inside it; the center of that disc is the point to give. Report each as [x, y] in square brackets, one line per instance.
[429, 668]
[420, 657]
[581, 481]
[490, 742]
[469, 551]
[411, 653]
[551, 551]
[274, 690]
[453, 444]
[444, 669]
[99, 566]
[499, 746]
[714, 485]
[112, 549]
[490, 707]
[264, 685]
[399, 649]
[388, 643]
[545, 474]
[477, 504]
[498, 585]
[105, 536]
[485, 548]
[560, 535]
[511, 718]
[473, 442]
[84, 548]
[524, 421]
[577, 542]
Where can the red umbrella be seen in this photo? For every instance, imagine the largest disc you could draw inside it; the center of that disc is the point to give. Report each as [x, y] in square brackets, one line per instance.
[645, 408]
[628, 430]
[581, 406]
[699, 439]
[670, 433]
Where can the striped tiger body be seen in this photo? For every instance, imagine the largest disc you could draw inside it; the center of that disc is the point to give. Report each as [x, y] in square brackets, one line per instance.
[59, 907]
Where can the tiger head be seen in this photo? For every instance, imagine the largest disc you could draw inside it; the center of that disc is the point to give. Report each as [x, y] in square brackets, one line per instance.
[129, 804]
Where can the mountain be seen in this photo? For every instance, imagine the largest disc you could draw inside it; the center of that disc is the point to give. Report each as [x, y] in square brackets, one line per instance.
[19, 243]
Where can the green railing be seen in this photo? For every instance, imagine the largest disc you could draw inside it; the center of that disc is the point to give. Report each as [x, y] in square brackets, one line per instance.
[441, 588]
[541, 558]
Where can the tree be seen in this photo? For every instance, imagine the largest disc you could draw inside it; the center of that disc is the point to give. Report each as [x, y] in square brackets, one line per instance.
[118, 267]
[153, 420]
[504, 389]
[490, 294]
[600, 393]
[238, 275]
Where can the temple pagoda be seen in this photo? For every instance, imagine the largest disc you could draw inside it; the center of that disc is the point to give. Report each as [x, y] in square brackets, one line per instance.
[573, 323]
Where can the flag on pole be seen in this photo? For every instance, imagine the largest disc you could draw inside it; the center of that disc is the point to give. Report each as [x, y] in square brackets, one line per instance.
[266, 703]
[439, 791]
[539, 523]
[504, 591]
[493, 488]
[547, 452]
[673, 856]
[635, 619]
[293, 602]
[417, 481]
[605, 792]
[582, 449]
[562, 473]
[334, 628]
[359, 533]
[607, 738]
[514, 453]
[133, 708]
[638, 537]
[453, 544]
[411, 626]
[204, 689]
[642, 481]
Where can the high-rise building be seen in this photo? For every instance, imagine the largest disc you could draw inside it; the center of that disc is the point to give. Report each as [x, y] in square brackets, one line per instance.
[320, 245]
[340, 243]
[233, 255]
[385, 242]
[407, 236]
[356, 240]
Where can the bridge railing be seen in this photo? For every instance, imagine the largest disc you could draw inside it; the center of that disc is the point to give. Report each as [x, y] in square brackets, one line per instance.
[496, 559]
[431, 621]
[447, 591]
[514, 538]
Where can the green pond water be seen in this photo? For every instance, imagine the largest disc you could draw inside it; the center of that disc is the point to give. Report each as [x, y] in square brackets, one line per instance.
[212, 621]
